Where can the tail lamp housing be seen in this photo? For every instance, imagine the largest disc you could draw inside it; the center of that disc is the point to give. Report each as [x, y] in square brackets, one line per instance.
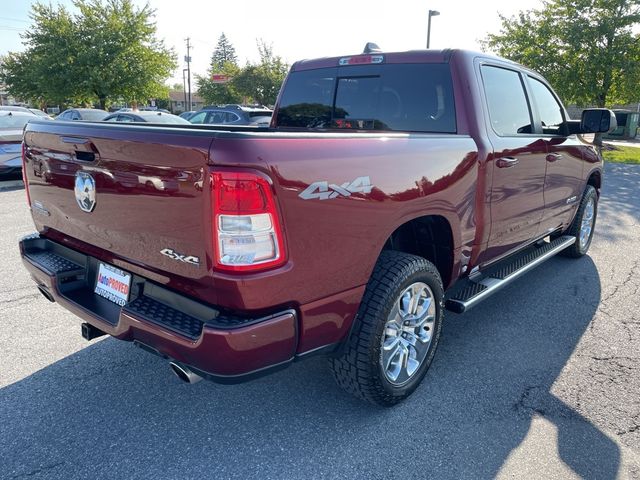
[247, 229]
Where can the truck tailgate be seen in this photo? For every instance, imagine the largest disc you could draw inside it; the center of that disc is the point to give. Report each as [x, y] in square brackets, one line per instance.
[148, 194]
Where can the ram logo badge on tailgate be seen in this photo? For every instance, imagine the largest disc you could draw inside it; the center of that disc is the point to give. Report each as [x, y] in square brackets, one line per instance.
[172, 254]
[85, 190]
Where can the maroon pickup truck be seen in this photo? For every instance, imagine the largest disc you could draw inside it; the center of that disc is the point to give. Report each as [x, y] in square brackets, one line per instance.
[388, 188]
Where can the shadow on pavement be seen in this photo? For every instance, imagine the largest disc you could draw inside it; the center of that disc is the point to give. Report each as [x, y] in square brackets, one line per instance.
[114, 411]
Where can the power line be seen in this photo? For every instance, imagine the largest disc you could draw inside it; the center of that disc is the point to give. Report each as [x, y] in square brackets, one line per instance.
[15, 19]
[12, 28]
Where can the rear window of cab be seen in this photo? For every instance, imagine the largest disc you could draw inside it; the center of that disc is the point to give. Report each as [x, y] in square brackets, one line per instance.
[387, 97]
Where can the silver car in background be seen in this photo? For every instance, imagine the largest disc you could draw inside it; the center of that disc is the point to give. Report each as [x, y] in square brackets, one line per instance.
[11, 126]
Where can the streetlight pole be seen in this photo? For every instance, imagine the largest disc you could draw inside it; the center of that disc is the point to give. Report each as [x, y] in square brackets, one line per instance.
[188, 60]
[184, 88]
[432, 13]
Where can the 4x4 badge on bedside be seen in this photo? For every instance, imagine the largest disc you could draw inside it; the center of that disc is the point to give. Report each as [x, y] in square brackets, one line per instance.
[324, 190]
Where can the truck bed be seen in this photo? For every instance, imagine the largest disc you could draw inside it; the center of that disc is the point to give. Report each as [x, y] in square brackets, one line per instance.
[153, 193]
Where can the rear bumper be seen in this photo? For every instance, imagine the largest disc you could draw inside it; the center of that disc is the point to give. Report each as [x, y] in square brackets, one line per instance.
[218, 345]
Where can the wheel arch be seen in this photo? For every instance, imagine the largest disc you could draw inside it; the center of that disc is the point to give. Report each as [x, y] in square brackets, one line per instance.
[595, 179]
[429, 236]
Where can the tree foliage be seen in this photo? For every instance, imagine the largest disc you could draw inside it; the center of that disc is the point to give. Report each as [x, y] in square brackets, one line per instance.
[224, 53]
[223, 61]
[108, 50]
[587, 49]
[258, 82]
[261, 82]
[219, 93]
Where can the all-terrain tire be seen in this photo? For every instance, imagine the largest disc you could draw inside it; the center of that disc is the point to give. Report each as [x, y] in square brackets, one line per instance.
[358, 368]
[579, 249]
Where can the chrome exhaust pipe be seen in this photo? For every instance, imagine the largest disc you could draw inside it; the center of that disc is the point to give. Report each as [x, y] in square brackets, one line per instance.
[46, 293]
[184, 374]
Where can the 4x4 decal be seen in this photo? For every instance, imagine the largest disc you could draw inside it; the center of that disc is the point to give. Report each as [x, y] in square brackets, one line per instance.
[324, 190]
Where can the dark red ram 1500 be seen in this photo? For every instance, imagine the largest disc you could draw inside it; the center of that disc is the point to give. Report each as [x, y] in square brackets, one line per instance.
[389, 187]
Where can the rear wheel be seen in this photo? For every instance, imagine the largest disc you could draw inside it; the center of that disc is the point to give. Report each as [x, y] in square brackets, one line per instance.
[397, 331]
[583, 224]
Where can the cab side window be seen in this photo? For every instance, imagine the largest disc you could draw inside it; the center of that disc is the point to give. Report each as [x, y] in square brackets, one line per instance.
[507, 102]
[548, 107]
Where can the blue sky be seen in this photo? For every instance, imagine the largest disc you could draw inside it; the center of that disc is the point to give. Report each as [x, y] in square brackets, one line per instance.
[299, 29]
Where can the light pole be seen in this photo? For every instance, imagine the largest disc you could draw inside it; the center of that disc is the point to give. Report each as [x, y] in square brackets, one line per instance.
[184, 88]
[432, 13]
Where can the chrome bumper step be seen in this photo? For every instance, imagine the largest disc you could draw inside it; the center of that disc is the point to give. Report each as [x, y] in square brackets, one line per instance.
[474, 291]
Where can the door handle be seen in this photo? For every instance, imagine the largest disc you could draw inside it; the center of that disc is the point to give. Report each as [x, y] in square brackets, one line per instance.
[552, 157]
[83, 148]
[507, 162]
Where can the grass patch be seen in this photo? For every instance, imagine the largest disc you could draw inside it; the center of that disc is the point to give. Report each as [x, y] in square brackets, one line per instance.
[622, 154]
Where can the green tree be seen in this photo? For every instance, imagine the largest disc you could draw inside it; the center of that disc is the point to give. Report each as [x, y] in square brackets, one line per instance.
[224, 53]
[261, 82]
[40, 73]
[587, 49]
[107, 50]
[223, 62]
[219, 93]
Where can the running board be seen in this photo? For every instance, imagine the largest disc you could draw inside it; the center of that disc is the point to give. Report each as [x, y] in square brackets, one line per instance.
[477, 290]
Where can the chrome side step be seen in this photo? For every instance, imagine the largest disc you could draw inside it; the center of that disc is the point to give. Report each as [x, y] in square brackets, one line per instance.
[476, 291]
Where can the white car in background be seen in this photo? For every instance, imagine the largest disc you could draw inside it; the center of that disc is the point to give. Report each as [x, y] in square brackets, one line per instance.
[11, 126]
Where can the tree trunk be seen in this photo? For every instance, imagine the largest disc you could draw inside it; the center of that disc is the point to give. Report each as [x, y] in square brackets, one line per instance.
[103, 102]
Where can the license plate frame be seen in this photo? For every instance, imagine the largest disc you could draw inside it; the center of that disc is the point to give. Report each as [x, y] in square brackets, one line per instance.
[113, 284]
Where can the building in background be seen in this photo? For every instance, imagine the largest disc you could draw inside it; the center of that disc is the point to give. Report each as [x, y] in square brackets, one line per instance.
[177, 105]
[5, 98]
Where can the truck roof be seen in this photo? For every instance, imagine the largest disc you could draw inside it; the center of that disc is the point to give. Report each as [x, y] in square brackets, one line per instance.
[410, 56]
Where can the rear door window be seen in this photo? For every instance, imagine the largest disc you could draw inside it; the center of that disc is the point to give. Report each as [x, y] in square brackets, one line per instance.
[391, 97]
[230, 117]
[198, 117]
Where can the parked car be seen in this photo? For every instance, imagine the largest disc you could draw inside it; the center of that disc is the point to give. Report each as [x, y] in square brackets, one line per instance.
[233, 115]
[14, 108]
[149, 116]
[40, 113]
[188, 115]
[153, 109]
[11, 126]
[392, 186]
[86, 114]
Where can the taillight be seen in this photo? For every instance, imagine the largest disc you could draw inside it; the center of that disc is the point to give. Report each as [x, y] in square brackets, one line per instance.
[24, 173]
[246, 225]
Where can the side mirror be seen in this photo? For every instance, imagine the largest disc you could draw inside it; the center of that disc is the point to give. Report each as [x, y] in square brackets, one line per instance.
[598, 120]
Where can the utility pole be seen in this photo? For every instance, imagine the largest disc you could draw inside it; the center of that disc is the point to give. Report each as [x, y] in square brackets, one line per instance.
[184, 88]
[188, 60]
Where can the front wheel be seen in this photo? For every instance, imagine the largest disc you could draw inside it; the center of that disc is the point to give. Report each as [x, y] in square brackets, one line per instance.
[583, 224]
[397, 331]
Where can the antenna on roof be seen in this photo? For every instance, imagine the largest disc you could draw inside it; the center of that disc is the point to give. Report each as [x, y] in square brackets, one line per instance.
[371, 47]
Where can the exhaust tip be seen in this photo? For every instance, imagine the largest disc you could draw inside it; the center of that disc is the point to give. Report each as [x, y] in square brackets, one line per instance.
[46, 293]
[184, 374]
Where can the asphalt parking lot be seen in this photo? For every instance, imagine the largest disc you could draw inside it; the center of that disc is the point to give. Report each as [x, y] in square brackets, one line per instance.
[542, 381]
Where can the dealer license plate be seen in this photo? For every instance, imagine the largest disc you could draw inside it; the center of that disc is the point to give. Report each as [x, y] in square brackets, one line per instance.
[113, 284]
